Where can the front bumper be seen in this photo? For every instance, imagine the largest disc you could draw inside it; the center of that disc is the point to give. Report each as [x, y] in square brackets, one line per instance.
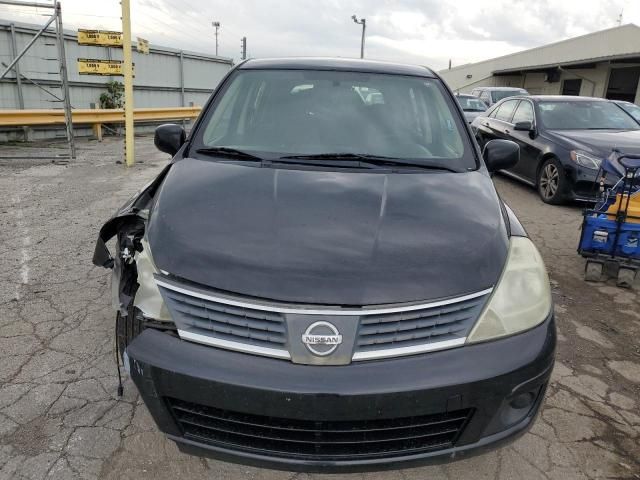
[276, 414]
[584, 184]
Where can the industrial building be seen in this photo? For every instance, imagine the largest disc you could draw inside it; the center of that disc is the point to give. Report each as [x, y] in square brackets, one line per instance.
[601, 64]
[166, 77]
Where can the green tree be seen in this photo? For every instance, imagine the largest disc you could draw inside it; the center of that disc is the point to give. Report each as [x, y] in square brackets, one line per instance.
[112, 98]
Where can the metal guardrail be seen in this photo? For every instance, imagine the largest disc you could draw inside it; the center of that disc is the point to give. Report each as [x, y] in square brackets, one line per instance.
[94, 117]
[27, 118]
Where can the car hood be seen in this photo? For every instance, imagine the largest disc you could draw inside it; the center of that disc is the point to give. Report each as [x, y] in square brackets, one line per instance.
[598, 142]
[328, 237]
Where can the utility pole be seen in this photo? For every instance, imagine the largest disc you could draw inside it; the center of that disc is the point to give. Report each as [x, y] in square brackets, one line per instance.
[216, 25]
[129, 148]
[68, 118]
[14, 53]
[620, 17]
[362, 22]
[243, 45]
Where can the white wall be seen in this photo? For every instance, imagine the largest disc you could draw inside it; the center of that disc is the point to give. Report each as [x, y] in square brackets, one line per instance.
[596, 47]
[594, 82]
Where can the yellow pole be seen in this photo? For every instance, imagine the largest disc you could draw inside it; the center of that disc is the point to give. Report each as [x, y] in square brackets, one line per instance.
[128, 84]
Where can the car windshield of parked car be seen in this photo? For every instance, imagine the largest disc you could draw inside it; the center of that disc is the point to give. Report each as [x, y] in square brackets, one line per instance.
[584, 115]
[276, 113]
[632, 109]
[498, 95]
[471, 104]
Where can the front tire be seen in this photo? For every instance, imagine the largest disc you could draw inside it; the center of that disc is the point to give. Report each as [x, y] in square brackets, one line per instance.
[551, 182]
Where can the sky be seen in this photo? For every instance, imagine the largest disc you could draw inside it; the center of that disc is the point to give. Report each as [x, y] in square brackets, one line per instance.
[425, 32]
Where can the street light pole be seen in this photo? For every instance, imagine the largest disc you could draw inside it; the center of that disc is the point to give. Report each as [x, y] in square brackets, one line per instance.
[216, 25]
[363, 22]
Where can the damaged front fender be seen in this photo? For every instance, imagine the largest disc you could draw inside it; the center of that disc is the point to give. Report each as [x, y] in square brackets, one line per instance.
[122, 221]
[129, 213]
[128, 224]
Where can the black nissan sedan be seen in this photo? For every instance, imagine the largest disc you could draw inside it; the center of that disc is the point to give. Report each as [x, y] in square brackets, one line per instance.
[562, 139]
[323, 278]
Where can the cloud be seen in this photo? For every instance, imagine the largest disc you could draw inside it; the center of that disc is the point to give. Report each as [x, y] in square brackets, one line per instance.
[428, 32]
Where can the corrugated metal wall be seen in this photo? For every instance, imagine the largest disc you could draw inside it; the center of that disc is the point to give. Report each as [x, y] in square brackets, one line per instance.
[157, 81]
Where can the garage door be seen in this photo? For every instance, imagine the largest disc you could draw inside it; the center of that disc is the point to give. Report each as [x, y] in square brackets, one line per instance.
[623, 84]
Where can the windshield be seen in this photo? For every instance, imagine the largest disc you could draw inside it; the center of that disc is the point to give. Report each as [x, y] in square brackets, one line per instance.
[472, 104]
[284, 113]
[632, 109]
[584, 115]
[500, 94]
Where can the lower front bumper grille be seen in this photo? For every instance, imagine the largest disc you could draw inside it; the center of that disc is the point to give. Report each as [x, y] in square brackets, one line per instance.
[321, 440]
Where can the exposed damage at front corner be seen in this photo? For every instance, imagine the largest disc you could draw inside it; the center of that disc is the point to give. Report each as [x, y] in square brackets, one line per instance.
[128, 226]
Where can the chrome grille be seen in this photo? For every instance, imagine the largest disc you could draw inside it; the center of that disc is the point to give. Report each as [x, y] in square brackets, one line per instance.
[227, 323]
[260, 327]
[444, 323]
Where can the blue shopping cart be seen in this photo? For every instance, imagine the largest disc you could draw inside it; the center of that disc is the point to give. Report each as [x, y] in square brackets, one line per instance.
[611, 230]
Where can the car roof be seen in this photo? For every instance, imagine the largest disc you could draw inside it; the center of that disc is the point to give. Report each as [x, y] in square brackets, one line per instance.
[336, 64]
[565, 98]
[517, 89]
[623, 102]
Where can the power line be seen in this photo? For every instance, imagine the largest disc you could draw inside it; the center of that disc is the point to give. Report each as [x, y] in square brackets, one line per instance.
[179, 33]
[230, 31]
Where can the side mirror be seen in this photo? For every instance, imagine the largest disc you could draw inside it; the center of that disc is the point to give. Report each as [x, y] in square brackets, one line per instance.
[523, 126]
[169, 138]
[500, 155]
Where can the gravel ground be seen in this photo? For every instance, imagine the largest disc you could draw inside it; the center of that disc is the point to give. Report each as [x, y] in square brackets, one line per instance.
[59, 414]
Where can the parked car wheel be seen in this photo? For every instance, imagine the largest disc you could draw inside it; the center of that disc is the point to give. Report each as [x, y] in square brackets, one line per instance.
[551, 182]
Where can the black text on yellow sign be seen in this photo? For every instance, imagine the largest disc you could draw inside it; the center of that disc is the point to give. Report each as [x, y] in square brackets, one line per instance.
[93, 66]
[104, 38]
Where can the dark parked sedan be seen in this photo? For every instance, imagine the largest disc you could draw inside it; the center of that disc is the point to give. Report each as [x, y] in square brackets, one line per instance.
[631, 108]
[562, 141]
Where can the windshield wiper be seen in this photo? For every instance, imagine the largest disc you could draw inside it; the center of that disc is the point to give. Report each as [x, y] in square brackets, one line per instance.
[377, 160]
[338, 156]
[603, 128]
[227, 152]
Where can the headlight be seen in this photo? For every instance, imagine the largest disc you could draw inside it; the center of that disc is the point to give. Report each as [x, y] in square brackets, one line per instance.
[585, 160]
[522, 298]
[148, 298]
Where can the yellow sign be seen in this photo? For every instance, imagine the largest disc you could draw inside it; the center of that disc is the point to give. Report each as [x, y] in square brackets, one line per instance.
[143, 46]
[93, 66]
[103, 38]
